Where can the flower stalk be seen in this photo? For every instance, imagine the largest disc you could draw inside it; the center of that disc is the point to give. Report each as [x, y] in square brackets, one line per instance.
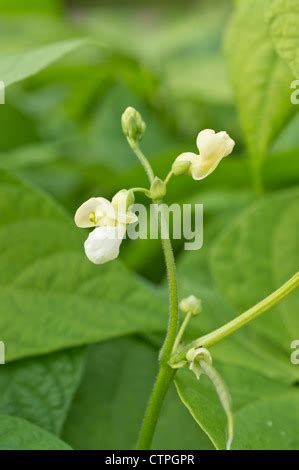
[219, 334]
[166, 373]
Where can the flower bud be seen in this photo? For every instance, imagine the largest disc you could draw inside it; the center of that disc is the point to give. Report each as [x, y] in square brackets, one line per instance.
[212, 148]
[180, 167]
[194, 356]
[158, 189]
[191, 305]
[123, 199]
[132, 124]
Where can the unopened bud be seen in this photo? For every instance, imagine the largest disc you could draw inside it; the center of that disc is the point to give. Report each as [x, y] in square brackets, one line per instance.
[180, 167]
[158, 189]
[191, 305]
[122, 200]
[132, 124]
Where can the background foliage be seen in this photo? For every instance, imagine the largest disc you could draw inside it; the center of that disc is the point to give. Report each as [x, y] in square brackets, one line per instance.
[82, 341]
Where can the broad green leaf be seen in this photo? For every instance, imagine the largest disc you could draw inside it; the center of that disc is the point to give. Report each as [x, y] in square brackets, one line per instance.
[41, 389]
[17, 67]
[266, 412]
[260, 78]
[109, 405]
[221, 209]
[253, 256]
[170, 435]
[51, 296]
[283, 17]
[19, 434]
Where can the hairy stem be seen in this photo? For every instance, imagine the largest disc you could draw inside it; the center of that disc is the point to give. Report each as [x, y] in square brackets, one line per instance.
[166, 373]
[242, 320]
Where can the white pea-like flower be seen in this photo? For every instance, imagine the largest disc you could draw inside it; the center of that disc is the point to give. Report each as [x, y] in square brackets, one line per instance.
[212, 147]
[95, 212]
[110, 220]
[103, 243]
[99, 212]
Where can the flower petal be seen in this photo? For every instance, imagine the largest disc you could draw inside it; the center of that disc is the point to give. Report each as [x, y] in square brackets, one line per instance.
[214, 146]
[93, 205]
[202, 168]
[103, 243]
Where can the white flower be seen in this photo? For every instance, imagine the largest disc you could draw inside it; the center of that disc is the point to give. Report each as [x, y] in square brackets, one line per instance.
[121, 203]
[99, 212]
[95, 212]
[103, 243]
[212, 148]
[110, 219]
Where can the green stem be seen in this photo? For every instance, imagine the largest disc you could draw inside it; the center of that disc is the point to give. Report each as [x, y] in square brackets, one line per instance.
[242, 320]
[162, 383]
[181, 332]
[141, 190]
[168, 177]
[173, 302]
[166, 373]
[143, 160]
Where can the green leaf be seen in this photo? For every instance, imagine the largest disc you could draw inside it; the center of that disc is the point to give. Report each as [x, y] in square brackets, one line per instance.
[220, 209]
[265, 411]
[255, 254]
[51, 296]
[109, 405]
[261, 80]
[18, 434]
[283, 17]
[41, 389]
[17, 67]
